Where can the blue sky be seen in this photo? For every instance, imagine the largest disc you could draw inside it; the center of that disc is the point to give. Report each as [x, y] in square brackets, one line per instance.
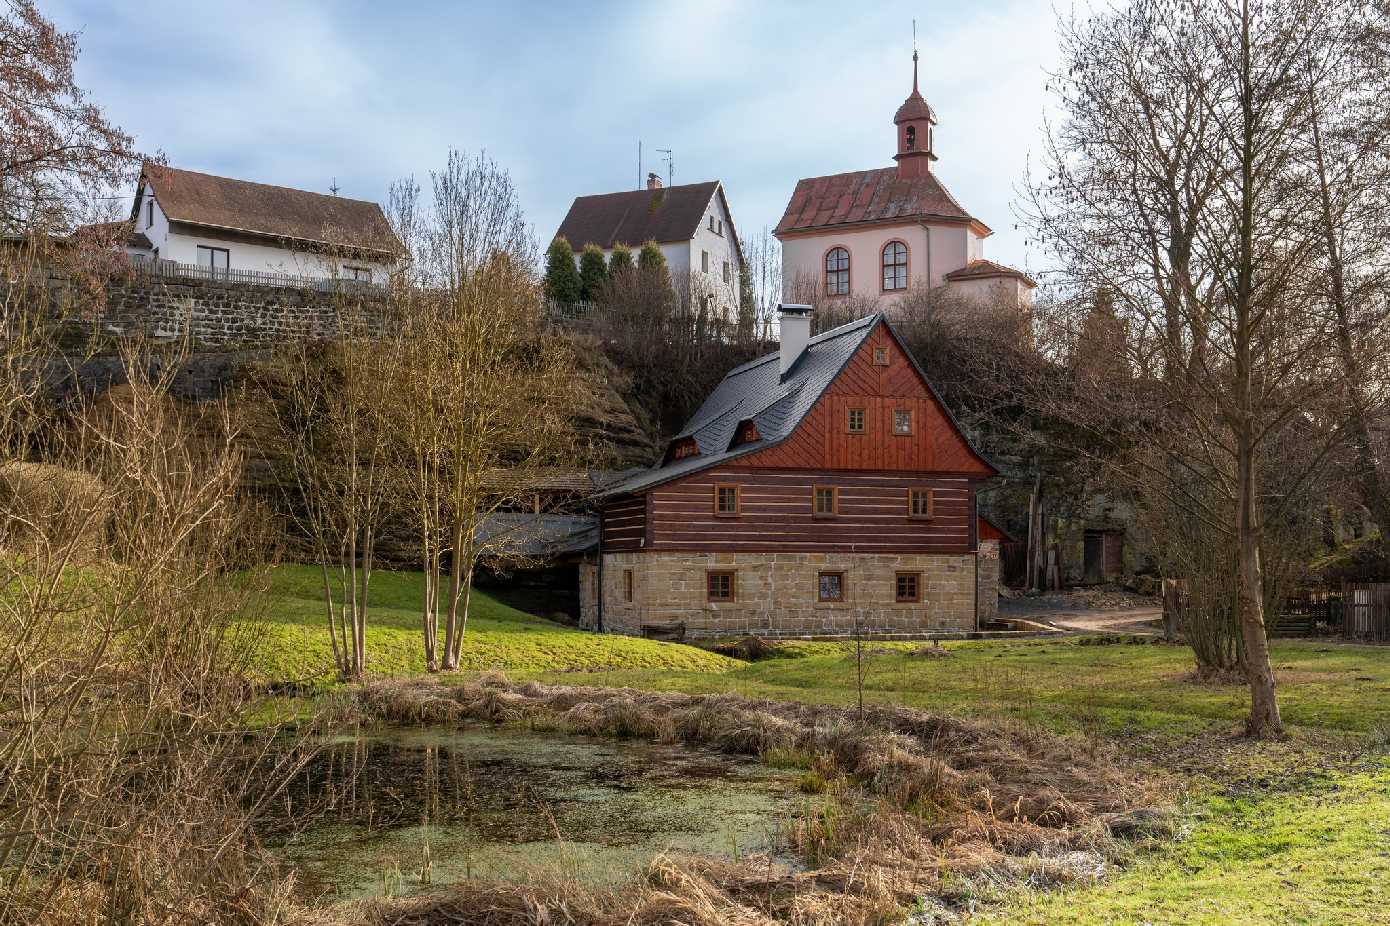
[754, 94]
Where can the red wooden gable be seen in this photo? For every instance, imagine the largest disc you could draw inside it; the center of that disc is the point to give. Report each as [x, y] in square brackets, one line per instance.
[823, 440]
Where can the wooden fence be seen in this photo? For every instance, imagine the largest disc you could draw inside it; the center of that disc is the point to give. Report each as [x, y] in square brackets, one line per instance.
[1366, 607]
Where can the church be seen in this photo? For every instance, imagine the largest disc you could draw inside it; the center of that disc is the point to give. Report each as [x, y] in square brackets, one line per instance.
[875, 233]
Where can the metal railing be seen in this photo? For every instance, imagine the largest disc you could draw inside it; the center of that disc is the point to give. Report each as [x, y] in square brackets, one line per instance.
[173, 269]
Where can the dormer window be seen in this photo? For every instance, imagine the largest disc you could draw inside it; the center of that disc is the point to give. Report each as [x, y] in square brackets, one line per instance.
[912, 138]
[685, 447]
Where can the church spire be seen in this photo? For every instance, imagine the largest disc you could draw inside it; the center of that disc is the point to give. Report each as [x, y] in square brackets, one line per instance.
[914, 121]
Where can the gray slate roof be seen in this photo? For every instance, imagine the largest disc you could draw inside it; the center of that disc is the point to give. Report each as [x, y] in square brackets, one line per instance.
[756, 390]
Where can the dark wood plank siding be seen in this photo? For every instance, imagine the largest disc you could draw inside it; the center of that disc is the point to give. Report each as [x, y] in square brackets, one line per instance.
[777, 513]
[625, 523]
[823, 441]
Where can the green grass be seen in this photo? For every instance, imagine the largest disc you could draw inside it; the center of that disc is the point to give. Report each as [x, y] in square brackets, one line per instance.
[293, 644]
[1295, 832]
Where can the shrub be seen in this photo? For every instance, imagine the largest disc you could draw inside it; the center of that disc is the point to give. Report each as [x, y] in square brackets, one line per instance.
[593, 272]
[561, 278]
[620, 261]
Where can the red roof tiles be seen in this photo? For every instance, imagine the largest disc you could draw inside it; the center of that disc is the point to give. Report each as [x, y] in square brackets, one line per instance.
[987, 269]
[865, 196]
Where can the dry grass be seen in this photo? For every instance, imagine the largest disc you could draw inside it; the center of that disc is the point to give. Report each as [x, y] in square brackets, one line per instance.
[911, 804]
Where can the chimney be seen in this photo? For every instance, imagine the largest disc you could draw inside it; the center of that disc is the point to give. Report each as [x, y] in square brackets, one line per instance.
[653, 182]
[794, 323]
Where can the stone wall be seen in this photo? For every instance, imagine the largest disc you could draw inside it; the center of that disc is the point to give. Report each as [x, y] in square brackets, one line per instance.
[216, 313]
[987, 580]
[776, 593]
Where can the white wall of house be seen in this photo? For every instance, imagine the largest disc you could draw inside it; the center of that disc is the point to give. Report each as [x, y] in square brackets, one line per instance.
[996, 290]
[932, 252]
[182, 247]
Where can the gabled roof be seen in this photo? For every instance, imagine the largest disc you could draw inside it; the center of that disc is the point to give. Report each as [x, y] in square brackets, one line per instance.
[757, 392]
[269, 211]
[866, 196]
[982, 269]
[633, 217]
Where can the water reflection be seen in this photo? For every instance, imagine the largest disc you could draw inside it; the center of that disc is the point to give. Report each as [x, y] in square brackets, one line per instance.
[388, 810]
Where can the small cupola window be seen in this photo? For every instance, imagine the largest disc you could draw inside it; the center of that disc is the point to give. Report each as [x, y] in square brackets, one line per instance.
[912, 138]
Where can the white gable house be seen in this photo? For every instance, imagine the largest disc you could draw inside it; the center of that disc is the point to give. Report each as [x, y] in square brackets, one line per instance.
[691, 223]
[254, 230]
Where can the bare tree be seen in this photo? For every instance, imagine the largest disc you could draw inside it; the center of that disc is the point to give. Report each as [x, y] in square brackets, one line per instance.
[1177, 183]
[482, 390]
[61, 161]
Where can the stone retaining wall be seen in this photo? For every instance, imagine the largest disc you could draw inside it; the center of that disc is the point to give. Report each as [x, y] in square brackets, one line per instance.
[776, 593]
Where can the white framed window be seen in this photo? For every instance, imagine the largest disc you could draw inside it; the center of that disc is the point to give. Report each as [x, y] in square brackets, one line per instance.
[360, 274]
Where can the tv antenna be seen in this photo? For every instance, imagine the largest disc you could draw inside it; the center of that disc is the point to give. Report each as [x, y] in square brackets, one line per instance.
[333, 187]
[670, 165]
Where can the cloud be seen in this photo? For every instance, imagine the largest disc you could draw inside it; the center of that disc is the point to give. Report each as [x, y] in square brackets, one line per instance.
[755, 95]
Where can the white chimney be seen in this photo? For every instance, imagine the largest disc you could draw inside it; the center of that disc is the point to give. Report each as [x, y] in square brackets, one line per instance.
[794, 322]
[653, 182]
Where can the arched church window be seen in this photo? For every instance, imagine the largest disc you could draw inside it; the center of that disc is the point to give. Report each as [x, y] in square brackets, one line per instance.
[836, 272]
[912, 138]
[894, 265]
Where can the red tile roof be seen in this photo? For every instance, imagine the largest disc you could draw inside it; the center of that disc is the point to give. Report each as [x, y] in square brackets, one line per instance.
[272, 211]
[864, 196]
[987, 269]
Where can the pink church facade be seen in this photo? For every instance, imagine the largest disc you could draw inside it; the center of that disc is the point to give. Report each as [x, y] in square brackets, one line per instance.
[874, 234]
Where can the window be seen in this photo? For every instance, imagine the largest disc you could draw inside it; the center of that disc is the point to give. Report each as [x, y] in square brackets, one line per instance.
[360, 274]
[149, 213]
[726, 500]
[830, 586]
[720, 585]
[827, 501]
[854, 422]
[912, 138]
[907, 587]
[214, 259]
[920, 503]
[627, 585]
[704, 261]
[902, 421]
[728, 273]
[836, 272]
[894, 265]
[880, 356]
[686, 447]
[716, 226]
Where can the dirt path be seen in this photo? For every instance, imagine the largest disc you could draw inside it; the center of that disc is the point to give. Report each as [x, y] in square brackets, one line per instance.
[1130, 620]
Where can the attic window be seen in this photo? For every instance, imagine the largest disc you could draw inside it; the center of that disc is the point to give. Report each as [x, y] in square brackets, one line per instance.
[149, 213]
[902, 421]
[854, 421]
[686, 447]
[880, 356]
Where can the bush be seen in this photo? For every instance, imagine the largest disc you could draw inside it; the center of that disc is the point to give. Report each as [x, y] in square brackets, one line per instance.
[593, 272]
[620, 261]
[561, 278]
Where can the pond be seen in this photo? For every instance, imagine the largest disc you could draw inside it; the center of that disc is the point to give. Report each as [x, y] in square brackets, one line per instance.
[390, 810]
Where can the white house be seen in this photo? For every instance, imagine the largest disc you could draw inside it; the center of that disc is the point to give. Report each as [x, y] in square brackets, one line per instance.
[876, 233]
[235, 225]
[691, 223]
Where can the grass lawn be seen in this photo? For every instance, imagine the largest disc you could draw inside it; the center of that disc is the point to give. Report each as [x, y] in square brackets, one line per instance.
[293, 644]
[1291, 832]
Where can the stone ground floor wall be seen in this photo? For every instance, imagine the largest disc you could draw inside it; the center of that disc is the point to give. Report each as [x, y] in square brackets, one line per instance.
[987, 580]
[776, 593]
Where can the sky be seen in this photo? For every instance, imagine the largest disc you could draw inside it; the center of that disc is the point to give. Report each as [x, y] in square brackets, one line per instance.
[306, 93]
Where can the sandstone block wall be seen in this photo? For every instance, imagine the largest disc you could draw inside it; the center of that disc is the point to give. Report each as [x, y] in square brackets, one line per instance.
[987, 580]
[776, 593]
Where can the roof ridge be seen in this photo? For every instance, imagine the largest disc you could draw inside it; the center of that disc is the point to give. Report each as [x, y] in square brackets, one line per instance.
[818, 339]
[269, 186]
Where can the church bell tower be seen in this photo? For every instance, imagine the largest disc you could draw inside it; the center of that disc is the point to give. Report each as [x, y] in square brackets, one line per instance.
[915, 121]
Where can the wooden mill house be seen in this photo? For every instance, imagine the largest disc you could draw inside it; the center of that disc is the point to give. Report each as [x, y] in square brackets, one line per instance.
[818, 490]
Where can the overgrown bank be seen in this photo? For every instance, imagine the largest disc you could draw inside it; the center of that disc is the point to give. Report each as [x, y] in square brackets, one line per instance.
[907, 809]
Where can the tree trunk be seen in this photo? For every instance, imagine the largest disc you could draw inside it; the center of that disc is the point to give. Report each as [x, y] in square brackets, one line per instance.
[1264, 720]
[451, 625]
